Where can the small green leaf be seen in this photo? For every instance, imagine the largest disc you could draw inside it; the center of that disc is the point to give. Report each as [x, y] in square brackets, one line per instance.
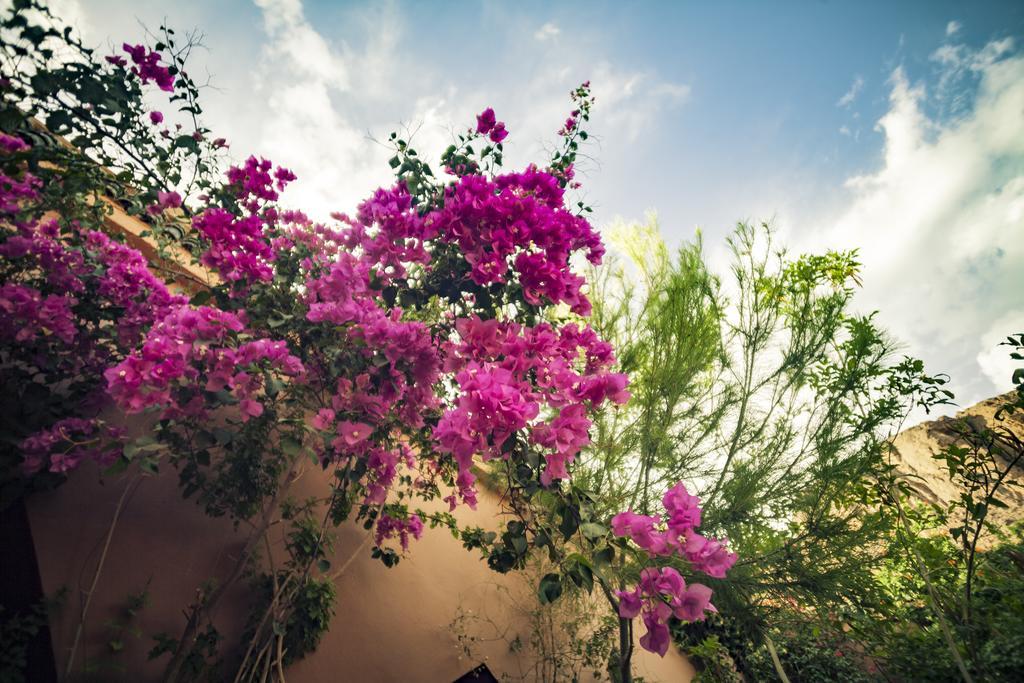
[550, 588]
[291, 445]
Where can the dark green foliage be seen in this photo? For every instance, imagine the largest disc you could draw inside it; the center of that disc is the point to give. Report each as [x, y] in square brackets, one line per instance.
[812, 654]
[201, 663]
[292, 608]
[309, 617]
[17, 631]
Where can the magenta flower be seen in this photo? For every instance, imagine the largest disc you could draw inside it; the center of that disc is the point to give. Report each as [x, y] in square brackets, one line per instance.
[166, 200]
[250, 408]
[630, 603]
[148, 68]
[11, 144]
[354, 433]
[657, 638]
[323, 420]
[485, 121]
[389, 527]
[683, 509]
[693, 603]
[26, 315]
[498, 132]
[156, 117]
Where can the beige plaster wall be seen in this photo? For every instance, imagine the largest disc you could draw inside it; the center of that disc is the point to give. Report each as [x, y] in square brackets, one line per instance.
[390, 625]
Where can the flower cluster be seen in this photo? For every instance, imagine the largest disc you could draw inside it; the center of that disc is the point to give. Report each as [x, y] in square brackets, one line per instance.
[391, 527]
[677, 536]
[192, 347]
[128, 285]
[519, 220]
[64, 266]
[164, 201]
[118, 276]
[65, 445]
[570, 124]
[147, 66]
[238, 250]
[257, 181]
[389, 234]
[14, 191]
[11, 144]
[25, 314]
[488, 124]
[240, 246]
[507, 374]
[390, 373]
[662, 594]
[387, 385]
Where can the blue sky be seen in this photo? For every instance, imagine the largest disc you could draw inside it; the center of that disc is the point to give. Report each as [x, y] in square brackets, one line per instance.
[894, 128]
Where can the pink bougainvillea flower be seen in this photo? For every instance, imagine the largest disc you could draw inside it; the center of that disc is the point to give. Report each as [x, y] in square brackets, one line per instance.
[323, 419]
[354, 433]
[168, 200]
[156, 117]
[146, 65]
[630, 603]
[657, 638]
[250, 408]
[389, 527]
[498, 132]
[11, 143]
[693, 603]
[682, 508]
[661, 593]
[485, 121]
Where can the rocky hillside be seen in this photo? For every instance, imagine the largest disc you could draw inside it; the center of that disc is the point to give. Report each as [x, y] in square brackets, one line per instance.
[915, 447]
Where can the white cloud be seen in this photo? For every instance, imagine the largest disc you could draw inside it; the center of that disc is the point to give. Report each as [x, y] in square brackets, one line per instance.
[850, 95]
[953, 27]
[994, 359]
[547, 32]
[961, 66]
[938, 226]
[317, 98]
[306, 81]
[311, 88]
[295, 43]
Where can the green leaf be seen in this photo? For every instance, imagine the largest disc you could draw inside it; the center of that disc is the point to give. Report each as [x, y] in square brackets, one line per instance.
[570, 522]
[550, 588]
[604, 555]
[593, 530]
[223, 436]
[290, 445]
[201, 297]
[582, 576]
[58, 121]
